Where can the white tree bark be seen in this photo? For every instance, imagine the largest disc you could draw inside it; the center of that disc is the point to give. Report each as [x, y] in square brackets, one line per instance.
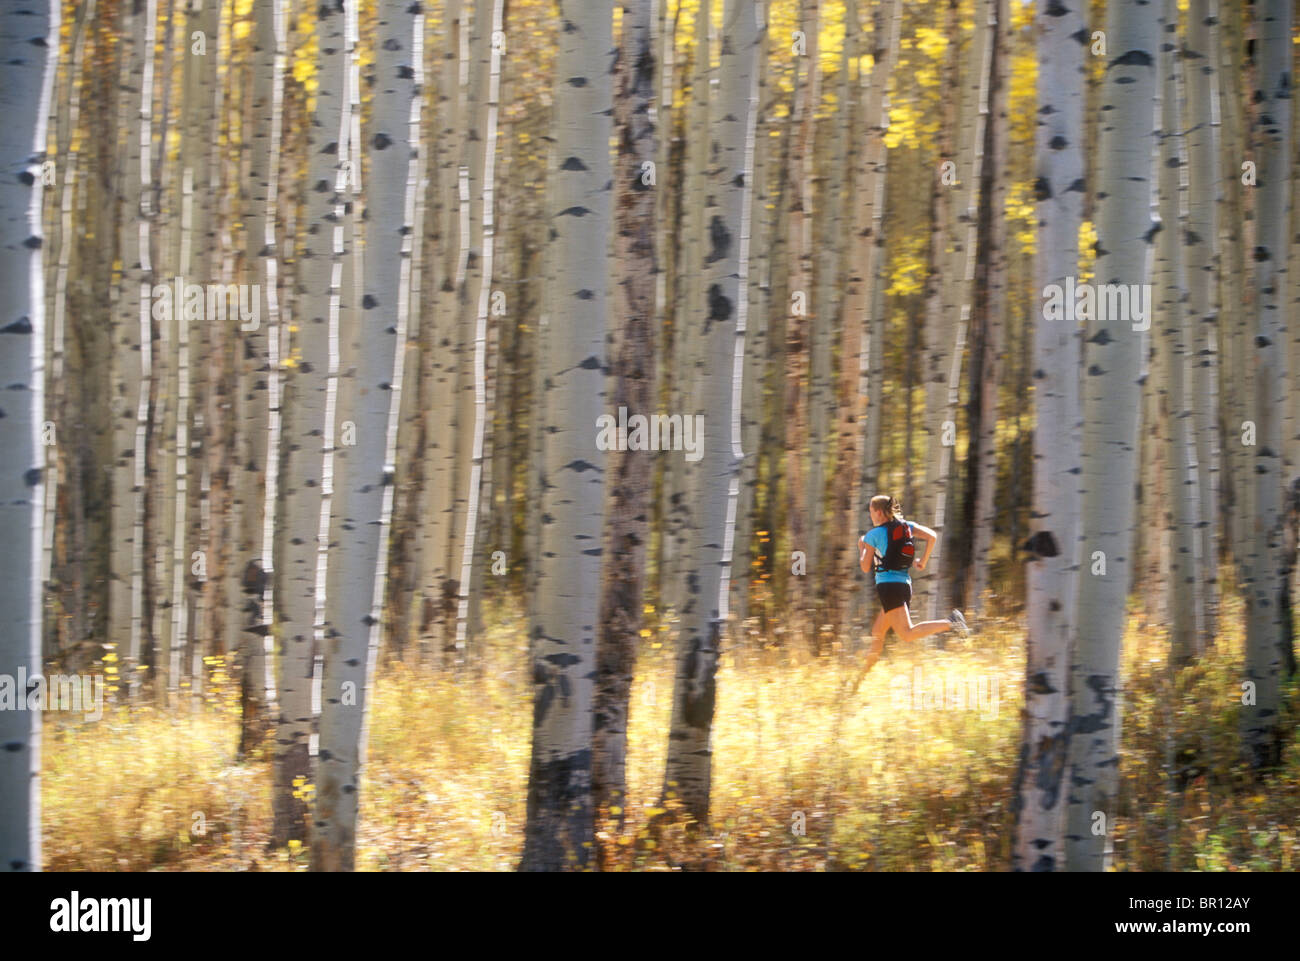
[431, 607]
[55, 386]
[690, 746]
[985, 476]
[970, 171]
[29, 41]
[256, 419]
[1203, 193]
[481, 329]
[305, 558]
[363, 495]
[633, 372]
[1110, 430]
[868, 201]
[1182, 578]
[1260, 725]
[1053, 544]
[559, 830]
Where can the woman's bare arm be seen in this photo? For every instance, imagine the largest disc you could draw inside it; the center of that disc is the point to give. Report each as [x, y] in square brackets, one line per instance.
[927, 535]
[924, 531]
[866, 557]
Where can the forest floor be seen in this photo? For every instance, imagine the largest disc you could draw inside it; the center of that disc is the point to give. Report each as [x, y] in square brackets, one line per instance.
[916, 774]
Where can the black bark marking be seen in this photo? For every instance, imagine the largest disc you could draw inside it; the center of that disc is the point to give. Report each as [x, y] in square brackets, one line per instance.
[1042, 544]
[23, 325]
[1133, 58]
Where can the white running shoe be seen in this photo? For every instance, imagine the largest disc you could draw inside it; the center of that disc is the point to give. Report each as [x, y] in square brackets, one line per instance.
[959, 623]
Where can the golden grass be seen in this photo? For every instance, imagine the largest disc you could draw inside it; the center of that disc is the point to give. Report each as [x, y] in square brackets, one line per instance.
[897, 788]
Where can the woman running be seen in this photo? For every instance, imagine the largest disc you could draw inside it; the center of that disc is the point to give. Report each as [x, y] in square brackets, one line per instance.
[888, 550]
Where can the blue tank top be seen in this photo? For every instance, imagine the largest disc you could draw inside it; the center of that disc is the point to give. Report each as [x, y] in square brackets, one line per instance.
[876, 538]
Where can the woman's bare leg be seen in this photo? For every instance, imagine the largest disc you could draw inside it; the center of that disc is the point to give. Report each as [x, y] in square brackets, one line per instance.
[879, 628]
[907, 631]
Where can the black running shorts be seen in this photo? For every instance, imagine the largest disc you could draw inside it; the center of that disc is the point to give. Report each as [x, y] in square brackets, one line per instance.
[894, 594]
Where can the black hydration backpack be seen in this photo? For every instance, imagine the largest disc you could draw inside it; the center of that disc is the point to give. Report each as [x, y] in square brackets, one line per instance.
[899, 549]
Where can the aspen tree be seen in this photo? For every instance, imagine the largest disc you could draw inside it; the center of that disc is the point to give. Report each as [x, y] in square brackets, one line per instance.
[476, 53]
[732, 124]
[1204, 193]
[195, 93]
[1265, 639]
[940, 313]
[306, 510]
[1236, 225]
[355, 598]
[1181, 579]
[799, 307]
[633, 366]
[871, 366]
[1053, 545]
[431, 609]
[56, 464]
[747, 547]
[827, 318]
[1110, 432]
[977, 99]
[559, 830]
[484, 275]
[857, 298]
[256, 397]
[684, 373]
[363, 480]
[985, 384]
[29, 43]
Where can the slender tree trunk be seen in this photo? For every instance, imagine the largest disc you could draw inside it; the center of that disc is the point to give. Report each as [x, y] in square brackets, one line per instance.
[827, 317]
[57, 461]
[1181, 579]
[363, 479]
[1238, 492]
[799, 324]
[271, 258]
[29, 43]
[470, 374]
[748, 546]
[130, 358]
[688, 772]
[560, 827]
[940, 321]
[256, 422]
[872, 370]
[627, 527]
[1054, 543]
[1262, 733]
[984, 476]
[970, 172]
[868, 200]
[487, 247]
[160, 497]
[679, 493]
[431, 607]
[1204, 193]
[306, 510]
[1110, 433]
[196, 97]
